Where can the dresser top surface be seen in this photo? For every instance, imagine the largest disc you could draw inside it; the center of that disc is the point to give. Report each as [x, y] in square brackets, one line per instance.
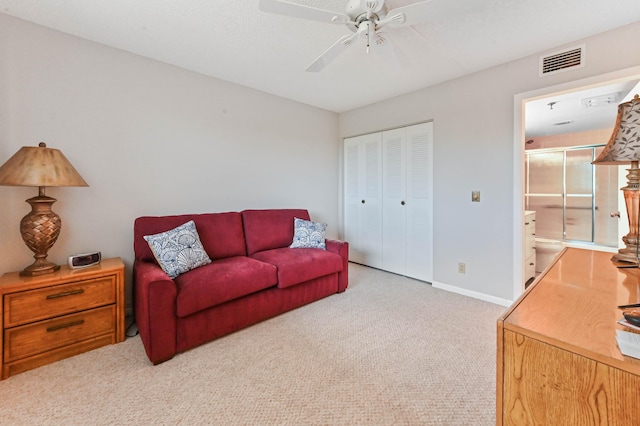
[574, 305]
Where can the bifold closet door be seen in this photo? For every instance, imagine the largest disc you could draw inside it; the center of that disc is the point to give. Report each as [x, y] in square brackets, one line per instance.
[394, 204]
[407, 201]
[363, 198]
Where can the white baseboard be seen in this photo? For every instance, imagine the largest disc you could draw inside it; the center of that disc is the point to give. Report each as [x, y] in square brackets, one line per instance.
[474, 294]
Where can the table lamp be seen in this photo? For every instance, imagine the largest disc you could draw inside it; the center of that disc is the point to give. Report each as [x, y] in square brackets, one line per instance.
[624, 148]
[40, 166]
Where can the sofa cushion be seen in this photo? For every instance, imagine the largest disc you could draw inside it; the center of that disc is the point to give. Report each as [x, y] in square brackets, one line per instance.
[297, 265]
[269, 229]
[307, 234]
[221, 234]
[221, 281]
[178, 250]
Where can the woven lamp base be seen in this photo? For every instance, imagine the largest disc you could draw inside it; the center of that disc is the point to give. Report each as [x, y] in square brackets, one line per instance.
[40, 229]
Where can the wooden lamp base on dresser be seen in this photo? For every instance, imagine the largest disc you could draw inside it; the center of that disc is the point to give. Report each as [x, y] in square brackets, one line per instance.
[50, 317]
[558, 362]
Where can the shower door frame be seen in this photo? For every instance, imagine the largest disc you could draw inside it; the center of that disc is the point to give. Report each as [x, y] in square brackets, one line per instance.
[565, 195]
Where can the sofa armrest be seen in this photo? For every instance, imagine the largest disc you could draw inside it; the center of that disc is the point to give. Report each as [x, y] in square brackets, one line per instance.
[341, 248]
[155, 310]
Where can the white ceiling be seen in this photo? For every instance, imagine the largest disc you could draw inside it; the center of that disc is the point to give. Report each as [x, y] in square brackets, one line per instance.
[232, 40]
[578, 111]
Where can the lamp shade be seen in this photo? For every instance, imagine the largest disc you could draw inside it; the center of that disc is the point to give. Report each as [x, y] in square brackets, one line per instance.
[39, 166]
[624, 145]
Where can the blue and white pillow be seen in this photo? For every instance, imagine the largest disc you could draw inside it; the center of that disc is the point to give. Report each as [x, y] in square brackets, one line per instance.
[178, 250]
[307, 234]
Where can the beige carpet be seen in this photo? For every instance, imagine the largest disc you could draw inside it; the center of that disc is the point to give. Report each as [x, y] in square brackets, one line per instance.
[390, 350]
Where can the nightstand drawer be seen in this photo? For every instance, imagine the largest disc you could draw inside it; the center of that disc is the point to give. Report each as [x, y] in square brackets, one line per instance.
[43, 336]
[35, 305]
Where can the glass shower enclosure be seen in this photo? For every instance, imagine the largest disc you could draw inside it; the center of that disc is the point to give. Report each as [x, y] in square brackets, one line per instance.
[573, 199]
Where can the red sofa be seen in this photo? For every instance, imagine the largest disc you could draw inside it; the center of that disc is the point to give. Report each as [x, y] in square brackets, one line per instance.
[253, 276]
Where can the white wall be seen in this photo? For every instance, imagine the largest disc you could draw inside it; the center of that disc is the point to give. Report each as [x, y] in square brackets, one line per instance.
[150, 139]
[474, 149]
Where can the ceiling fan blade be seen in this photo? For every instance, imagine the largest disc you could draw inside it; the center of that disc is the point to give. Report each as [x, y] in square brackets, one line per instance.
[390, 52]
[371, 6]
[295, 10]
[331, 53]
[428, 11]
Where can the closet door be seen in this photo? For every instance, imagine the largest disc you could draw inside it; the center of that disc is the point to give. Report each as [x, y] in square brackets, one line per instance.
[407, 235]
[419, 207]
[362, 198]
[394, 205]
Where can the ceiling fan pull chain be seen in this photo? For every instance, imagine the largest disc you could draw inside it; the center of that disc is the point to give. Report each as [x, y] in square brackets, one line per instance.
[368, 32]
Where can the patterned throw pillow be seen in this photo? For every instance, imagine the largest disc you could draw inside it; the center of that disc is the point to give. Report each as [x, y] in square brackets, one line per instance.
[178, 250]
[307, 234]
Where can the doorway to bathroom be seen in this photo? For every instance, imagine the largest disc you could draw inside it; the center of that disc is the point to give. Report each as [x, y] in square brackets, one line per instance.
[575, 202]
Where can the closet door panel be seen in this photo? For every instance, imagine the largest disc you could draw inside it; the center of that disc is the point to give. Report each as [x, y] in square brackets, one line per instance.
[419, 202]
[371, 216]
[394, 224]
[352, 198]
[362, 199]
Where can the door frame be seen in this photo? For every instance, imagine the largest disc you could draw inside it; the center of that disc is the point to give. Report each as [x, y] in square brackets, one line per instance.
[519, 101]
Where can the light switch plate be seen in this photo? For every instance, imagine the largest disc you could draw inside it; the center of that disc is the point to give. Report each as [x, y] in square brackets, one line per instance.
[475, 196]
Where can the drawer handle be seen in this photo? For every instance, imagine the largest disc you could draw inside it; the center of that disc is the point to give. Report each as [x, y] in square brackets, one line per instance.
[67, 325]
[66, 293]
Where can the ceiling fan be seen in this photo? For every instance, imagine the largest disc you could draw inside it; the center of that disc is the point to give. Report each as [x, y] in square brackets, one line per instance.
[366, 18]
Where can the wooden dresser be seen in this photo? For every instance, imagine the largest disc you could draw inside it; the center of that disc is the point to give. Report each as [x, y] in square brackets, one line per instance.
[54, 316]
[558, 362]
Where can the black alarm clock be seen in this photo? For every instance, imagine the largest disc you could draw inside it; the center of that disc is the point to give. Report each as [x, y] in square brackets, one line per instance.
[84, 260]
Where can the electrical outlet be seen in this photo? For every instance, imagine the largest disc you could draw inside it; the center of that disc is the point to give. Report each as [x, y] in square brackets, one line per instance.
[462, 268]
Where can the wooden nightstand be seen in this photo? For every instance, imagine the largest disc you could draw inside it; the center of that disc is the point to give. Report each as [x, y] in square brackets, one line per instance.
[51, 317]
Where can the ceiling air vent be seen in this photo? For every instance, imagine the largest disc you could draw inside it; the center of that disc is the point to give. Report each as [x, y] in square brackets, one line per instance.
[562, 61]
